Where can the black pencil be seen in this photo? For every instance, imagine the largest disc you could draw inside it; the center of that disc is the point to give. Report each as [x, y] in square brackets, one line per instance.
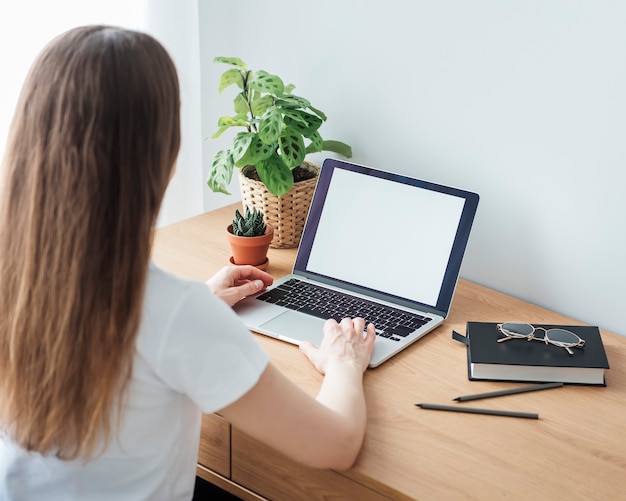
[473, 410]
[511, 391]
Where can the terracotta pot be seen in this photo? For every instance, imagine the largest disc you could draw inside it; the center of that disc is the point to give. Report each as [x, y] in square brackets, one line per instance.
[250, 250]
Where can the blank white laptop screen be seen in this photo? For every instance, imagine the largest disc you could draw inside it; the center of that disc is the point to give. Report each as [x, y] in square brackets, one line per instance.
[364, 215]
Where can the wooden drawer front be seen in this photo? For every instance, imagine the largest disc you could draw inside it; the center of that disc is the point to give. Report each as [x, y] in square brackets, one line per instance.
[270, 474]
[214, 450]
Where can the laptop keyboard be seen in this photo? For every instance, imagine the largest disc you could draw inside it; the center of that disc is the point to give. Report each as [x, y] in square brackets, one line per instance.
[391, 323]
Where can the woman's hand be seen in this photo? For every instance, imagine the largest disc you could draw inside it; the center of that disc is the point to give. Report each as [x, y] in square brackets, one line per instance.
[325, 432]
[233, 283]
[343, 342]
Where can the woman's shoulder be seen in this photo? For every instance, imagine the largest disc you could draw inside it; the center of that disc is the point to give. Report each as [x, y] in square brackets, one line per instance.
[164, 297]
[163, 282]
[173, 304]
[194, 342]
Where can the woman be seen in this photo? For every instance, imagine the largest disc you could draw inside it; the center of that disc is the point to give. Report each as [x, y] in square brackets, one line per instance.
[106, 362]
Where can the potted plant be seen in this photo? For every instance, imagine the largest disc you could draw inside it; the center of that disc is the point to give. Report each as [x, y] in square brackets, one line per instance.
[279, 130]
[249, 238]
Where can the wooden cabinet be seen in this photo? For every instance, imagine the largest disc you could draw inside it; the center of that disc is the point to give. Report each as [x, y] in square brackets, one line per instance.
[214, 457]
[214, 450]
[277, 477]
[230, 459]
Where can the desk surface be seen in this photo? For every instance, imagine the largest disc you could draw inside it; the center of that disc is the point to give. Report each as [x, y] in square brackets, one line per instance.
[576, 450]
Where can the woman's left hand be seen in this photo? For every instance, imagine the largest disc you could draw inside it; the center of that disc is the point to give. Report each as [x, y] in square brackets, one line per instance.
[233, 283]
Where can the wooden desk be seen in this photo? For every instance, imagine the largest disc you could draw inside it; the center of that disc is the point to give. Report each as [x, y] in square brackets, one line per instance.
[576, 450]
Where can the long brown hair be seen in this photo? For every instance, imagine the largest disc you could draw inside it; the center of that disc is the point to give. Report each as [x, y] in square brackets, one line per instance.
[91, 149]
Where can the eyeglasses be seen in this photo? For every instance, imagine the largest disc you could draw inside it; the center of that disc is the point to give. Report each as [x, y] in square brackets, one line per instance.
[558, 337]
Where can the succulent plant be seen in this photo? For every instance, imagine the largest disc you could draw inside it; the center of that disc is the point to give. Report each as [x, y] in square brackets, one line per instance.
[251, 224]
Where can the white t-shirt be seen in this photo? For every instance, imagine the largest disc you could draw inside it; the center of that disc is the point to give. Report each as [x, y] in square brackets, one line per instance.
[193, 355]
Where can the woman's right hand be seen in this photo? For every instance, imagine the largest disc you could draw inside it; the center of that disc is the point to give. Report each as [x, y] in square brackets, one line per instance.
[343, 342]
[325, 432]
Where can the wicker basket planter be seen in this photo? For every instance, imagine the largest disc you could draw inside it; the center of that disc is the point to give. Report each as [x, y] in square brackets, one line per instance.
[287, 213]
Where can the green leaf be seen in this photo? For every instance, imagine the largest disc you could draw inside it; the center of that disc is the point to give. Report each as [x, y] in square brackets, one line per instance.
[260, 150]
[261, 104]
[317, 143]
[338, 147]
[227, 122]
[289, 88]
[221, 172]
[235, 61]
[257, 151]
[292, 115]
[219, 132]
[264, 82]
[319, 113]
[275, 175]
[241, 143]
[246, 159]
[292, 149]
[270, 125]
[303, 122]
[241, 105]
[237, 120]
[229, 77]
[290, 101]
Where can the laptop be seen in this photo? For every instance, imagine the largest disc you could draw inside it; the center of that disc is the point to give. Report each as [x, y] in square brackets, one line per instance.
[376, 244]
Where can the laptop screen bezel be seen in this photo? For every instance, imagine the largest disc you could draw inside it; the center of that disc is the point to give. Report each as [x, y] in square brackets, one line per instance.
[459, 246]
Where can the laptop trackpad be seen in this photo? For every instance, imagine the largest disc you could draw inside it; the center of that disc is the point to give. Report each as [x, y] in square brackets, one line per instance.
[296, 327]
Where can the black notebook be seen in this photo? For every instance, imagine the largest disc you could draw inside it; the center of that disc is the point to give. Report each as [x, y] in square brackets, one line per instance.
[522, 360]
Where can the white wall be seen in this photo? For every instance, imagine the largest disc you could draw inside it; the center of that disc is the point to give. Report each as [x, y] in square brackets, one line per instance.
[27, 25]
[521, 101]
[175, 25]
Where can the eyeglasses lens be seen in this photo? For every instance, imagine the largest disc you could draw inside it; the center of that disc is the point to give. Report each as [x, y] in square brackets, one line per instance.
[518, 328]
[562, 336]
